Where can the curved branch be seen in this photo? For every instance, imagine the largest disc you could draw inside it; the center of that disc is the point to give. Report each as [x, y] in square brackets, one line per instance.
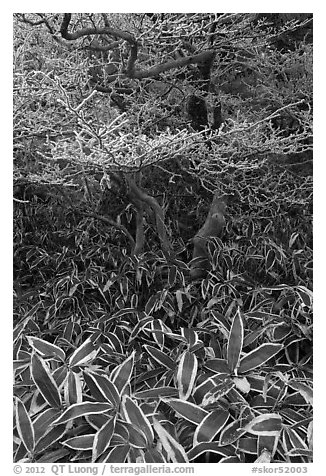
[178, 63]
[92, 31]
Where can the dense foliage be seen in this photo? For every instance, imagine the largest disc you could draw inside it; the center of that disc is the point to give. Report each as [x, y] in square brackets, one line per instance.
[120, 356]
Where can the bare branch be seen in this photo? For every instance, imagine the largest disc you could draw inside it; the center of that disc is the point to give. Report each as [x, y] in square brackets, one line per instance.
[187, 60]
[93, 31]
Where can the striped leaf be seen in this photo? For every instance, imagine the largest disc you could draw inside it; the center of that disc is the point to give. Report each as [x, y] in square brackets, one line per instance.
[160, 357]
[231, 433]
[47, 440]
[187, 410]
[122, 374]
[159, 392]
[24, 426]
[81, 409]
[81, 442]
[73, 388]
[102, 439]
[212, 447]
[42, 423]
[134, 415]
[153, 456]
[258, 356]
[117, 455]
[210, 426]
[44, 381]
[103, 388]
[186, 374]
[84, 354]
[46, 349]
[235, 342]
[219, 366]
[268, 424]
[175, 452]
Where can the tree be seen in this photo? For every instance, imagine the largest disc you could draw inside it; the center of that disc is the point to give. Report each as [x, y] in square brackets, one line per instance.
[201, 96]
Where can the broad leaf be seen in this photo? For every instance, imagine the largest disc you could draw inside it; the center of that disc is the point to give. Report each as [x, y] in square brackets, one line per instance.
[84, 354]
[81, 409]
[122, 374]
[210, 426]
[268, 424]
[258, 357]
[187, 410]
[45, 349]
[175, 452]
[82, 442]
[235, 342]
[24, 426]
[44, 381]
[160, 357]
[186, 374]
[159, 392]
[102, 439]
[134, 415]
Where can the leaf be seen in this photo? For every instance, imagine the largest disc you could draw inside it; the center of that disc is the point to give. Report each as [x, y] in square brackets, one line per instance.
[242, 384]
[81, 409]
[45, 349]
[153, 456]
[53, 456]
[42, 423]
[178, 295]
[258, 357]
[212, 447]
[50, 437]
[174, 450]
[190, 336]
[85, 353]
[303, 389]
[201, 390]
[231, 433]
[82, 442]
[235, 342]
[103, 387]
[24, 426]
[267, 443]
[158, 392]
[187, 410]
[139, 326]
[122, 374]
[186, 374]
[134, 415]
[160, 357]
[295, 440]
[300, 452]
[218, 366]
[306, 295]
[117, 454]
[136, 437]
[210, 426]
[102, 439]
[157, 329]
[230, 459]
[270, 259]
[264, 457]
[268, 424]
[44, 381]
[222, 387]
[248, 445]
[73, 388]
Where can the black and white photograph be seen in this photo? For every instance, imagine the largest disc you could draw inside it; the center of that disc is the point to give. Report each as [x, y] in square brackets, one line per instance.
[162, 240]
